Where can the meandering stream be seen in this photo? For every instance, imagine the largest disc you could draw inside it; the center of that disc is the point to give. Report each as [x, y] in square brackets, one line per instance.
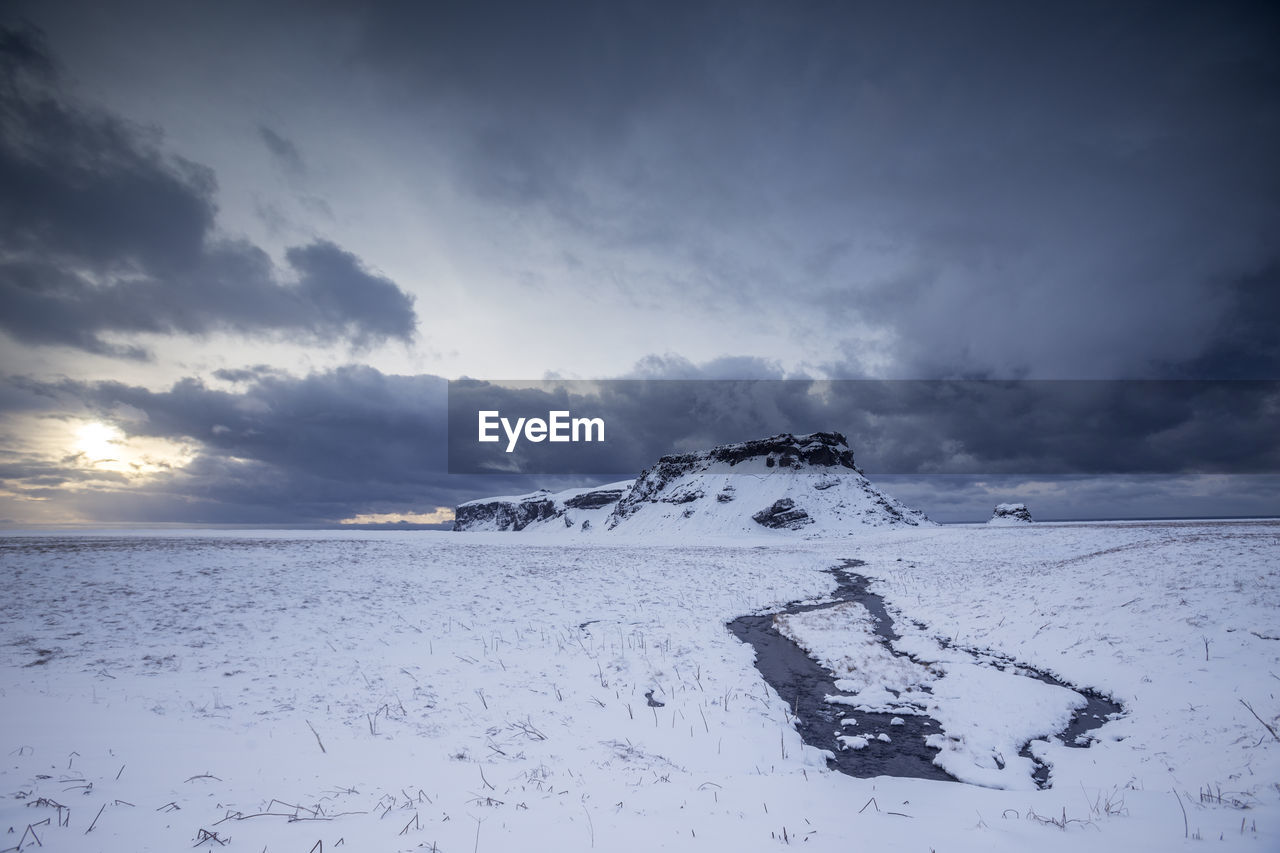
[805, 685]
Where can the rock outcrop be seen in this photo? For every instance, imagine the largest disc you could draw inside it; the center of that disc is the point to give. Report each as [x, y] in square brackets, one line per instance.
[1010, 514]
[783, 514]
[520, 511]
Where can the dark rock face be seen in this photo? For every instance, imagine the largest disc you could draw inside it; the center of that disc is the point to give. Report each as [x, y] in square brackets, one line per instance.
[830, 449]
[594, 500]
[1011, 512]
[519, 514]
[783, 514]
[504, 515]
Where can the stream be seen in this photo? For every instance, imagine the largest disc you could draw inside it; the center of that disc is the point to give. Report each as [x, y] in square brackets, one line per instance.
[805, 685]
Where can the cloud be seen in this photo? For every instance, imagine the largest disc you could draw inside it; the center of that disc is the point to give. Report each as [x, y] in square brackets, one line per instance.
[283, 152]
[918, 191]
[278, 450]
[438, 517]
[244, 374]
[968, 427]
[675, 366]
[357, 443]
[102, 234]
[1245, 343]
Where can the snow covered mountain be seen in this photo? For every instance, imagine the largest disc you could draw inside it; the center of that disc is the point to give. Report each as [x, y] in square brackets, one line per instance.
[807, 484]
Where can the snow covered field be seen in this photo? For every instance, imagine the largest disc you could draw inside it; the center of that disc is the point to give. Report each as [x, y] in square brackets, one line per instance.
[403, 691]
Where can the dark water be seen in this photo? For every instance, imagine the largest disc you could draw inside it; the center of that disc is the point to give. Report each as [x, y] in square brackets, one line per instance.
[804, 685]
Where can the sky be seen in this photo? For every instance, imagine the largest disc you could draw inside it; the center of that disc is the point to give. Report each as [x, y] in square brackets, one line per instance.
[243, 246]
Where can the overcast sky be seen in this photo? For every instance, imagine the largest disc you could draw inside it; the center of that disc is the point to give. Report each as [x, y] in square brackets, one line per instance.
[242, 245]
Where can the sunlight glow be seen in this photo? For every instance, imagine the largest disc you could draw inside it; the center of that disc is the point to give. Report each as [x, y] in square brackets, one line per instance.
[104, 446]
[98, 442]
[441, 515]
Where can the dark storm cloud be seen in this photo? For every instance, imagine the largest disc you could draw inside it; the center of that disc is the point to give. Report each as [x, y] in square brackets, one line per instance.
[245, 374]
[1246, 339]
[943, 427]
[101, 233]
[1000, 188]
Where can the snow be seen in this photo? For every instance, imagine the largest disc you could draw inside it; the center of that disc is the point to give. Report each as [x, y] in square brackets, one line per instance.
[837, 500]
[983, 736]
[487, 691]
[841, 639]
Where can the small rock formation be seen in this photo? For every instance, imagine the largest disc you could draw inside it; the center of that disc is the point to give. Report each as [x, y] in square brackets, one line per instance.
[1010, 514]
[596, 498]
[520, 511]
[783, 514]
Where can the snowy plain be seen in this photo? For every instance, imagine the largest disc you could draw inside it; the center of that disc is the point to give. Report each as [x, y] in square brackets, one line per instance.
[370, 691]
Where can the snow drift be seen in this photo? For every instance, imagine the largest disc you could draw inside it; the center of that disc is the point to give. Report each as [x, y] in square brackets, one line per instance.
[806, 483]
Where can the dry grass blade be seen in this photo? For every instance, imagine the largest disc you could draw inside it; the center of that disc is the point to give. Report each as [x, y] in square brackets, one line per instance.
[317, 734]
[1265, 724]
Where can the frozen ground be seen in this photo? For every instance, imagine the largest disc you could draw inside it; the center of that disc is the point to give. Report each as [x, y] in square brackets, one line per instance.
[378, 692]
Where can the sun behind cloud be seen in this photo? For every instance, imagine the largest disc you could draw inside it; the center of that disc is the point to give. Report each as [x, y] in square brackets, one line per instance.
[98, 442]
[105, 447]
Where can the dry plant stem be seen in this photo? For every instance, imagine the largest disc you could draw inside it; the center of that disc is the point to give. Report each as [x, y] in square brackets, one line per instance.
[30, 830]
[1265, 724]
[317, 734]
